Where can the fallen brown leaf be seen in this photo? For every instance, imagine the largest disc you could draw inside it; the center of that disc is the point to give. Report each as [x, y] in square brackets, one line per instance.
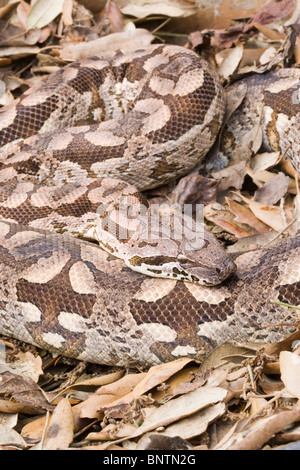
[24, 392]
[273, 190]
[59, 432]
[290, 372]
[256, 435]
[112, 42]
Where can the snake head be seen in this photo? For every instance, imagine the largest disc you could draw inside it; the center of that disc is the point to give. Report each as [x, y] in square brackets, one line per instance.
[208, 265]
[166, 243]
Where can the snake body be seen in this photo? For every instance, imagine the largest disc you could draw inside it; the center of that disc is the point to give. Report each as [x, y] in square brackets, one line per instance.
[160, 110]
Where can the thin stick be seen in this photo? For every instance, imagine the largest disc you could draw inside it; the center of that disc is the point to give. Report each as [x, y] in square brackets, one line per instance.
[277, 302]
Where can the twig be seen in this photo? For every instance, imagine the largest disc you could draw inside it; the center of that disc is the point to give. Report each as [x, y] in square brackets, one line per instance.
[277, 302]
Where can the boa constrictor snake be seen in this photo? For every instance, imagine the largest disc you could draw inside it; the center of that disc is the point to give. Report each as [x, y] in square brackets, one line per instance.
[155, 112]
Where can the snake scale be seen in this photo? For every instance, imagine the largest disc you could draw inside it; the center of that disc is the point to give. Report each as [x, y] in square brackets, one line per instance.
[106, 127]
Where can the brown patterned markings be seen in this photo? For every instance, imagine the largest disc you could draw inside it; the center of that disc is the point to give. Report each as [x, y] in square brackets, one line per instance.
[164, 167]
[83, 152]
[24, 213]
[285, 101]
[30, 167]
[28, 120]
[186, 112]
[67, 201]
[78, 208]
[138, 260]
[133, 71]
[289, 294]
[55, 296]
[87, 79]
[192, 312]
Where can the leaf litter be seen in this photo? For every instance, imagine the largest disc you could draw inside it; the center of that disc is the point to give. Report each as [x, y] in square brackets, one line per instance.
[242, 396]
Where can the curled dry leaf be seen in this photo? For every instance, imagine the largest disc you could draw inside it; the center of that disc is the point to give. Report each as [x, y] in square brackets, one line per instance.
[24, 364]
[222, 217]
[18, 52]
[231, 62]
[275, 217]
[93, 406]
[155, 376]
[264, 161]
[245, 216]
[253, 437]
[24, 392]
[97, 381]
[111, 15]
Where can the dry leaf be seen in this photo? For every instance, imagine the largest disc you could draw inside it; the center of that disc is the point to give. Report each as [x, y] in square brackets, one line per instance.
[290, 372]
[274, 11]
[18, 52]
[59, 433]
[109, 394]
[67, 12]
[231, 62]
[155, 376]
[234, 97]
[176, 409]
[10, 437]
[264, 161]
[160, 441]
[223, 218]
[98, 380]
[22, 11]
[195, 424]
[273, 190]
[24, 392]
[245, 216]
[43, 12]
[113, 432]
[260, 432]
[181, 407]
[231, 177]
[9, 419]
[182, 382]
[174, 8]
[10, 5]
[112, 16]
[25, 364]
[112, 42]
[194, 189]
[270, 215]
